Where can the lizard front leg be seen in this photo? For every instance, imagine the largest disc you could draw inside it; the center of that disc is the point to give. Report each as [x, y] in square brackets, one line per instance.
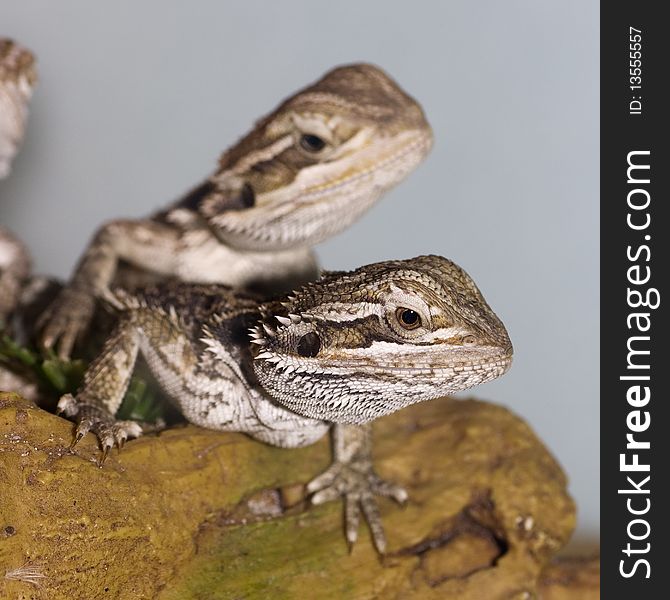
[145, 244]
[352, 476]
[102, 391]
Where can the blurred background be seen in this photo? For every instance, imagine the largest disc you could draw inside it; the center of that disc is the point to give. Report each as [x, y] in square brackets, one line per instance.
[137, 99]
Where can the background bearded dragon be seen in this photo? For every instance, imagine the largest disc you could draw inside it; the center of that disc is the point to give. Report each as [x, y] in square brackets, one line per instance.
[302, 174]
[336, 354]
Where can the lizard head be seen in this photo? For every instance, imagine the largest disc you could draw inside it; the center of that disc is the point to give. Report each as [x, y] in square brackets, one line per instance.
[17, 78]
[318, 162]
[352, 347]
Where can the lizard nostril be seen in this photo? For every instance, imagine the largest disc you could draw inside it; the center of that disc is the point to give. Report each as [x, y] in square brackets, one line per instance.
[469, 340]
[309, 345]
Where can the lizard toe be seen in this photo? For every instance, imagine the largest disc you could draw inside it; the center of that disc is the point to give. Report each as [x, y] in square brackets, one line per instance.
[67, 405]
[390, 490]
[352, 516]
[125, 430]
[83, 427]
[325, 480]
[374, 520]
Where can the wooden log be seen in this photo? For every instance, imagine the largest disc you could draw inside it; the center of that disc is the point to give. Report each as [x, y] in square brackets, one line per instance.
[192, 513]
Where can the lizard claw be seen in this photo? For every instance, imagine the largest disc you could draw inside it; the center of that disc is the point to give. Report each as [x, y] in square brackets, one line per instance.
[103, 456]
[80, 432]
[359, 488]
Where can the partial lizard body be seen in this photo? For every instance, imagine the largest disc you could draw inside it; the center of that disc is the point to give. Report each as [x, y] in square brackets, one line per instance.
[304, 173]
[17, 79]
[339, 352]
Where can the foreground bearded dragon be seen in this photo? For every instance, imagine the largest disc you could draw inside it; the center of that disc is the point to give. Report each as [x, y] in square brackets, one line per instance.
[336, 354]
[304, 173]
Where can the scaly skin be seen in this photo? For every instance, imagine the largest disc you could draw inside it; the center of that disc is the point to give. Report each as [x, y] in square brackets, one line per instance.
[304, 173]
[336, 354]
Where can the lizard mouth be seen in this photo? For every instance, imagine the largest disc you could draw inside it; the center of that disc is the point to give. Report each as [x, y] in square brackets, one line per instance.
[495, 361]
[409, 154]
[424, 359]
[499, 364]
[504, 362]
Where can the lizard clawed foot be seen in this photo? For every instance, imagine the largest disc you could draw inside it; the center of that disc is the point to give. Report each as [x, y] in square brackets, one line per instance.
[359, 486]
[64, 321]
[102, 424]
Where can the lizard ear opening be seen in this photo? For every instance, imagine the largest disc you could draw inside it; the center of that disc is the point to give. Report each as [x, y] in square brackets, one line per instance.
[218, 200]
[309, 345]
[247, 196]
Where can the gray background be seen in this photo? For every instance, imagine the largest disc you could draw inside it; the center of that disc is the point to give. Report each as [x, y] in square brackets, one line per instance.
[137, 99]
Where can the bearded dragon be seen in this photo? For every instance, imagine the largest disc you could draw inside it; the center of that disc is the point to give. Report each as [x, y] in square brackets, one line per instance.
[17, 79]
[333, 355]
[305, 172]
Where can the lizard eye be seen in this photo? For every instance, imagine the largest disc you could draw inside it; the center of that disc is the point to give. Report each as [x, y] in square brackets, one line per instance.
[309, 345]
[312, 143]
[408, 318]
[469, 340]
